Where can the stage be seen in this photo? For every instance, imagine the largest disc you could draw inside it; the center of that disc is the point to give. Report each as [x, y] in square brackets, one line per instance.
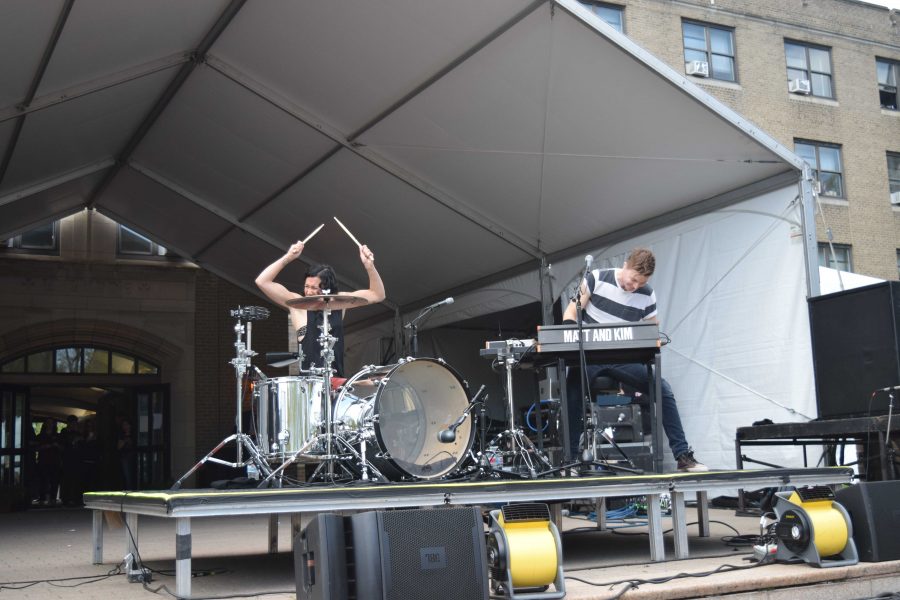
[183, 505]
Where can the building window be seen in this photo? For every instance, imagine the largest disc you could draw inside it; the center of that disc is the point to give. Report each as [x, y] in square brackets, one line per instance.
[842, 259]
[893, 160]
[825, 159]
[888, 76]
[612, 14]
[711, 45]
[79, 360]
[40, 240]
[131, 244]
[810, 64]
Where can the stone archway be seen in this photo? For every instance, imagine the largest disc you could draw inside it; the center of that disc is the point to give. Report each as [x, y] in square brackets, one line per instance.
[175, 381]
[94, 332]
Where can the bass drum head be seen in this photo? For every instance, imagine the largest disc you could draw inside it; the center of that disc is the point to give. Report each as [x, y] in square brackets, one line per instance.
[416, 401]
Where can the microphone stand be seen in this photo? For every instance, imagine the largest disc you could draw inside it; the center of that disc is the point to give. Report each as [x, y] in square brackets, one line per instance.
[413, 327]
[587, 441]
[889, 449]
[587, 454]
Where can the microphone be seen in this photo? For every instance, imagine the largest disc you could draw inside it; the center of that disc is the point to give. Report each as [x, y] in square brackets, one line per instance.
[441, 303]
[448, 436]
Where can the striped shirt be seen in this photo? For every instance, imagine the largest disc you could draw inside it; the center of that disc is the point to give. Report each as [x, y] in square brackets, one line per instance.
[611, 304]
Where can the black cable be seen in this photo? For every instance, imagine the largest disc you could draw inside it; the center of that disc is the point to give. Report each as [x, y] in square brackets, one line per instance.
[164, 588]
[740, 540]
[633, 583]
[745, 555]
[687, 524]
[9, 585]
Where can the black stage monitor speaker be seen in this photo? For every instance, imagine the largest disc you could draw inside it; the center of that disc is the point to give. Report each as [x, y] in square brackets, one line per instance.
[874, 509]
[856, 349]
[320, 559]
[436, 554]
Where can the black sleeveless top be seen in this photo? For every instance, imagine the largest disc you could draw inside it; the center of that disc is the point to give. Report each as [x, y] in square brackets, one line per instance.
[312, 350]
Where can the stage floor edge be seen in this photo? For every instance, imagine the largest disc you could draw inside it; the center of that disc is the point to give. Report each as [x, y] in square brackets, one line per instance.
[182, 505]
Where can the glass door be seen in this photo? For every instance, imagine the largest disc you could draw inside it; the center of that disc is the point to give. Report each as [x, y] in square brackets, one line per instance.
[16, 457]
[152, 437]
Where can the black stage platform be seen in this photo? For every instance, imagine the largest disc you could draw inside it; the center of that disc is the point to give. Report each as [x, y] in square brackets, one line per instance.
[182, 505]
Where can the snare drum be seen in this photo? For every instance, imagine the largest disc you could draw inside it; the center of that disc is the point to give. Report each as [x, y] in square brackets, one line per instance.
[400, 409]
[289, 414]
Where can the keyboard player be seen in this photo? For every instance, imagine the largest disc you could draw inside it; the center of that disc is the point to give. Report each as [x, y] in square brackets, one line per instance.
[616, 296]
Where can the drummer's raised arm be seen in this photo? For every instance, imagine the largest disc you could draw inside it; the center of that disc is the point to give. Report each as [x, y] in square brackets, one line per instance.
[265, 281]
[375, 293]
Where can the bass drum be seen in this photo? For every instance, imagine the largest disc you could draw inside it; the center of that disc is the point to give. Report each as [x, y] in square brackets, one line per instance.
[403, 407]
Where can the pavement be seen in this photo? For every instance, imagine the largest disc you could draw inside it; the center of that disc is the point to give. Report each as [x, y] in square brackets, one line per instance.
[45, 553]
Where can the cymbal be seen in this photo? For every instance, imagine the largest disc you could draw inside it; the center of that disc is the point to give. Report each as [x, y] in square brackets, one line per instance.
[323, 301]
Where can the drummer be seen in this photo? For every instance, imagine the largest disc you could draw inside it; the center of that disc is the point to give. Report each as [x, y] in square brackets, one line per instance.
[320, 279]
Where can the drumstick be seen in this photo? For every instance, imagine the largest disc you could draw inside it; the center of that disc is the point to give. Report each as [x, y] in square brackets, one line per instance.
[310, 236]
[348, 233]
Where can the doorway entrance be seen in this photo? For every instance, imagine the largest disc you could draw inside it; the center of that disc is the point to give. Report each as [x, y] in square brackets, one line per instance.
[58, 441]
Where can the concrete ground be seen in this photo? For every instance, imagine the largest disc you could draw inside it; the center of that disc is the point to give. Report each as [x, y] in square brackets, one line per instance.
[52, 546]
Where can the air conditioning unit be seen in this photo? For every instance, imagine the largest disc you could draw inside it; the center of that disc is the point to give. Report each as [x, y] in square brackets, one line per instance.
[697, 68]
[895, 198]
[799, 86]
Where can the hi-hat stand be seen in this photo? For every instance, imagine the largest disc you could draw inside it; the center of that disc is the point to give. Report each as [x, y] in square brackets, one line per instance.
[519, 450]
[241, 363]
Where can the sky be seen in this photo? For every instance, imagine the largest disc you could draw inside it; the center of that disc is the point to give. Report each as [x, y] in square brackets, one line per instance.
[888, 3]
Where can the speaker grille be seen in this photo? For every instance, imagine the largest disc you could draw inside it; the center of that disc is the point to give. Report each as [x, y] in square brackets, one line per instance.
[819, 492]
[435, 554]
[525, 512]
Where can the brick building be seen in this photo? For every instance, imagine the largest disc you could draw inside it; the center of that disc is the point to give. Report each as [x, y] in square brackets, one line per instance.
[103, 325]
[820, 76]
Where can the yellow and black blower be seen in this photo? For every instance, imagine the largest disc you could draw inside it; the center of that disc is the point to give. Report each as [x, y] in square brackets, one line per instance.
[524, 553]
[811, 527]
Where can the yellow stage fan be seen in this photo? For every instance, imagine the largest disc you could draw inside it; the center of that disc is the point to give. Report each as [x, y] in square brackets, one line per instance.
[811, 527]
[525, 553]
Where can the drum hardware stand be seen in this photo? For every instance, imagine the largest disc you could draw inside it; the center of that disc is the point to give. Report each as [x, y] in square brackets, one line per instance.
[241, 363]
[520, 446]
[331, 439]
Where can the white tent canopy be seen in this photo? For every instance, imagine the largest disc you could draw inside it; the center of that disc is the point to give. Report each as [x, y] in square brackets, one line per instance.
[467, 143]
[462, 141]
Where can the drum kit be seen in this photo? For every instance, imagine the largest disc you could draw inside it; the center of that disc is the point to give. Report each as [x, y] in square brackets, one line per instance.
[399, 422]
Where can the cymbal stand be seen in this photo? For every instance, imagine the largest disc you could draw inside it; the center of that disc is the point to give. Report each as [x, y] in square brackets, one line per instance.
[241, 363]
[521, 447]
[329, 437]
